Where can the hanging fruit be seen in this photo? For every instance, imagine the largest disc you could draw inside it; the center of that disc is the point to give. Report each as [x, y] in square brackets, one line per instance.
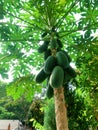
[50, 63]
[62, 59]
[43, 47]
[41, 76]
[57, 77]
[56, 69]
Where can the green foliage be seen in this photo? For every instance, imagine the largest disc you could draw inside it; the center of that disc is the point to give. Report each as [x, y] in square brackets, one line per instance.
[19, 108]
[26, 21]
[49, 116]
[36, 114]
[10, 109]
[80, 109]
[87, 65]
[5, 114]
[23, 87]
[36, 125]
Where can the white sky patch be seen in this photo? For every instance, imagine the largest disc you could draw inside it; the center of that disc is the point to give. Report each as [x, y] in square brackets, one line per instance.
[77, 16]
[73, 65]
[41, 42]
[4, 20]
[34, 71]
[26, 53]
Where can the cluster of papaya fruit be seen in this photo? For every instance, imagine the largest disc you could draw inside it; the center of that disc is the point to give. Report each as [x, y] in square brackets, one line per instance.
[56, 69]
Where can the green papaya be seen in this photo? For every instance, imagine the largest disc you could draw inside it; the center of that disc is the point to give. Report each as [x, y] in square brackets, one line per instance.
[43, 47]
[41, 76]
[49, 92]
[50, 63]
[69, 58]
[47, 53]
[62, 59]
[57, 77]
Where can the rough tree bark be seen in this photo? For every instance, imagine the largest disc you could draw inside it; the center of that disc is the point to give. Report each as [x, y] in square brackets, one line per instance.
[60, 109]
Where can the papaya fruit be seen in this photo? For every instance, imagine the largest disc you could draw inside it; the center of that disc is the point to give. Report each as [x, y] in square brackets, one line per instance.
[69, 58]
[62, 59]
[43, 47]
[56, 77]
[50, 63]
[41, 76]
[49, 92]
[47, 53]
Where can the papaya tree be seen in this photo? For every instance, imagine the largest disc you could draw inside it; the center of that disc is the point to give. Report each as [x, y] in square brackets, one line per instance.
[53, 28]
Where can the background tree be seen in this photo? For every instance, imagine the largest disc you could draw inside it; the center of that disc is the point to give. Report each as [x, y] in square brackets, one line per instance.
[36, 113]
[11, 109]
[20, 108]
[4, 113]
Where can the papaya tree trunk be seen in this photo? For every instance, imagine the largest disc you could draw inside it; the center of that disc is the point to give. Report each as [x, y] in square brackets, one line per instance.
[60, 109]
